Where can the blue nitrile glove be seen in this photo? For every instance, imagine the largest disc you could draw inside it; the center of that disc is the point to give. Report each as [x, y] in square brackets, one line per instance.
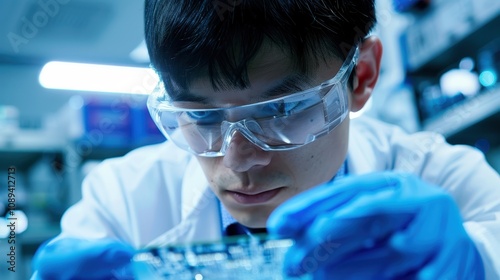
[71, 258]
[376, 226]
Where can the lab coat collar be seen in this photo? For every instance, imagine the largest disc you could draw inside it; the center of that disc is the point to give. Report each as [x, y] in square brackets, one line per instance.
[362, 158]
[200, 207]
[196, 194]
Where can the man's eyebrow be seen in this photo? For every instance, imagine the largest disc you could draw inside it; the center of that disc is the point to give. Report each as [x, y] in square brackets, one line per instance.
[290, 84]
[186, 96]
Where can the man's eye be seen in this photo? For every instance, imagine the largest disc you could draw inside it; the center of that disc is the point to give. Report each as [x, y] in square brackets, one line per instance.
[204, 117]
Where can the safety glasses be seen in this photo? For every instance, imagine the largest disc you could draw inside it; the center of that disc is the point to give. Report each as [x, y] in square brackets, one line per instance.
[280, 124]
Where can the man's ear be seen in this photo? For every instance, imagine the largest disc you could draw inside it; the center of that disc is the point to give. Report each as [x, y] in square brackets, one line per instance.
[367, 71]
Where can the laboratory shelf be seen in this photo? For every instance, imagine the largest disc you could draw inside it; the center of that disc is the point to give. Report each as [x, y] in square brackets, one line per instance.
[101, 153]
[24, 147]
[429, 52]
[484, 109]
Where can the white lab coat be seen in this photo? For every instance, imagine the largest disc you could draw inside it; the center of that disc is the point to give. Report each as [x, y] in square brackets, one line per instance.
[159, 193]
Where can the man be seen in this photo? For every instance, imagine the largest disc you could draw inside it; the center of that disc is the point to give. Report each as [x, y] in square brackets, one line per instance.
[254, 102]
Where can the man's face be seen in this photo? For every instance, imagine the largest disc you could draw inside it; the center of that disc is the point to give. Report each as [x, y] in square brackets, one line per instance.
[251, 182]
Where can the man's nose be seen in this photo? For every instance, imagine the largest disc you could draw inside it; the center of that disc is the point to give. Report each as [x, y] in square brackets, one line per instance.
[242, 155]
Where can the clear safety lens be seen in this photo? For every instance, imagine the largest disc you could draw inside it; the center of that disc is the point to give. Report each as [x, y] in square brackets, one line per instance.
[280, 124]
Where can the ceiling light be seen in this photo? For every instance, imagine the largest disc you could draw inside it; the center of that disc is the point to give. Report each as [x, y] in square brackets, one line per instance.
[98, 78]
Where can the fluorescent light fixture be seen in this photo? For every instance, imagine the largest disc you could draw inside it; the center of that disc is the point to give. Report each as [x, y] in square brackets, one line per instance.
[98, 78]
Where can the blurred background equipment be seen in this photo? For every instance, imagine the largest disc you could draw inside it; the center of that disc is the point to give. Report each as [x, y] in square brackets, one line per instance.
[54, 136]
[451, 57]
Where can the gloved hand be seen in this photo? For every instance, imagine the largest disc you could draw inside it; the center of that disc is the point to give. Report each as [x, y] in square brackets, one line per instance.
[376, 226]
[71, 258]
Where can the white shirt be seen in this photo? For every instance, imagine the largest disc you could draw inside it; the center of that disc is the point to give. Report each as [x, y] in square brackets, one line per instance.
[158, 194]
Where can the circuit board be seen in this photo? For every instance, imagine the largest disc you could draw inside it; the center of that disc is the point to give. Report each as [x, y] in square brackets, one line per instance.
[234, 258]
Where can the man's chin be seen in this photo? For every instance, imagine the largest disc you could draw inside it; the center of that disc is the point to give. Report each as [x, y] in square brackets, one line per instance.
[252, 218]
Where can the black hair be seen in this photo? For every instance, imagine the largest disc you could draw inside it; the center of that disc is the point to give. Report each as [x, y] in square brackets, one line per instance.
[187, 39]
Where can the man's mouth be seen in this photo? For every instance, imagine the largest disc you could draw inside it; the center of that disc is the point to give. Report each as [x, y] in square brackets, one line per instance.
[247, 197]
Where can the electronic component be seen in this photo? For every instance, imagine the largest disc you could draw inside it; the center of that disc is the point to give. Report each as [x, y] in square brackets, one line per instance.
[233, 258]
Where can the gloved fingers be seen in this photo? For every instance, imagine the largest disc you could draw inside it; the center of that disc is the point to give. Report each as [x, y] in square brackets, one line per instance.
[303, 258]
[347, 232]
[401, 253]
[291, 217]
[91, 259]
[453, 259]
[424, 233]
[378, 262]
[343, 237]
[457, 254]
[408, 195]
[373, 219]
[383, 201]
[331, 240]
[375, 191]
[318, 246]
[415, 245]
[471, 264]
[437, 267]
[344, 229]
[428, 236]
